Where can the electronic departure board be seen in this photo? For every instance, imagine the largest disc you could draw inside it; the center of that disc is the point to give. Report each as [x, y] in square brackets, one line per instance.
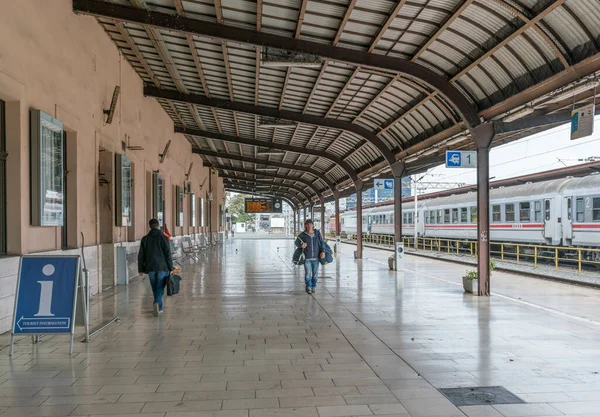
[263, 205]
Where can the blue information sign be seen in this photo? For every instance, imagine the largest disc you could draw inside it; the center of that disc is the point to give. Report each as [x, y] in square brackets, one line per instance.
[46, 294]
[383, 184]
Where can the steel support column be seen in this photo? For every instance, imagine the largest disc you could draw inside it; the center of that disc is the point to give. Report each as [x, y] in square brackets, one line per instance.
[359, 243]
[304, 218]
[336, 219]
[338, 228]
[295, 223]
[398, 170]
[483, 136]
[323, 216]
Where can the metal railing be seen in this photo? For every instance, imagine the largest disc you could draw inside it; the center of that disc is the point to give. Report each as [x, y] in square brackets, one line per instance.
[518, 253]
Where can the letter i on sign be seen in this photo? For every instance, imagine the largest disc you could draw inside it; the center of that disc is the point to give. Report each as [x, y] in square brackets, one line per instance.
[45, 307]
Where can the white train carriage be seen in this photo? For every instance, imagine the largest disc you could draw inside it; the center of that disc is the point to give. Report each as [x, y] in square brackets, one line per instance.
[580, 226]
[557, 212]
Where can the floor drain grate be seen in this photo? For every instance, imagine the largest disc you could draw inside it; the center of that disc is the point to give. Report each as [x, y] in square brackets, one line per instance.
[480, 396]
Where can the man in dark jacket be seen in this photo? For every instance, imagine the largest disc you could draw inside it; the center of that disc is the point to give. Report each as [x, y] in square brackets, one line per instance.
[311, 241]
[154, 259]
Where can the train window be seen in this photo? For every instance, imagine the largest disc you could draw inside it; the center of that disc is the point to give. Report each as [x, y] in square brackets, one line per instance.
[426, 217]
[596, 209]
[579, 210]
[496, 214]
[547, 209]
[464, 216]
[392, 217]
[455, 215]
[410, 218]
[537, 211]
[473, 214]
[440, 217]
[524, 212]
[432, 217]
[447, 216]
[569, 208]
[510, 212]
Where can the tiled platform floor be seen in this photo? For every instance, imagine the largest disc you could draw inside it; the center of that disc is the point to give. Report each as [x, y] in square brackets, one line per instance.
[244, 340]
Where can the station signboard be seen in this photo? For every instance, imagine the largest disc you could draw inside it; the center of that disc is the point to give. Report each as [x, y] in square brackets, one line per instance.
[46, 296]
[383, 184]
[461, 159]
[263, 205]
[582, 122]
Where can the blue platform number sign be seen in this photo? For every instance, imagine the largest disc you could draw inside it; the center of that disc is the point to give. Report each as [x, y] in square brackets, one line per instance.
[461, 159]
[46, 294]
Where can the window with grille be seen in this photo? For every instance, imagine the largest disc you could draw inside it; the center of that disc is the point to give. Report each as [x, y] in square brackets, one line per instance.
[464, 216]
[579, 210]
[496, 214]
[473, 214]
[537, 211]
[525, 212]
[510, 212]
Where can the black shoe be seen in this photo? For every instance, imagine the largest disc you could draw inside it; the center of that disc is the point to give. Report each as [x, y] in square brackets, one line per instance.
[308, 290]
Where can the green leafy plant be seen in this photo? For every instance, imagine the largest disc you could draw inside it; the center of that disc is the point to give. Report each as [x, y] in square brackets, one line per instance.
[472, 274]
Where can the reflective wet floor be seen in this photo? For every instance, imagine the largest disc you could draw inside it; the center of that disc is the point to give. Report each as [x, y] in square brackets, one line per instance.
[243, 339]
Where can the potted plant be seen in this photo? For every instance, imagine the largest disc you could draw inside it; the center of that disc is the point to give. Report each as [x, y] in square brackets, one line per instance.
[470, 280]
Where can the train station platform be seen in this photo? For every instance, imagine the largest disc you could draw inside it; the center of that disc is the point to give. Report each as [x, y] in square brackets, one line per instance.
[243, 339]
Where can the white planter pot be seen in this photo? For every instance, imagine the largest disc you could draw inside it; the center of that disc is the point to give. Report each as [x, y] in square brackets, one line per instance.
[471, 285]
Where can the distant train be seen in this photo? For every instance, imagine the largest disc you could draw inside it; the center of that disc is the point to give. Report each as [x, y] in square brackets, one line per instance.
[561, 212]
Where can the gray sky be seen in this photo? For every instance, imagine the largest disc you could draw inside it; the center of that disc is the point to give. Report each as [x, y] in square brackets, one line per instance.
[533, 154]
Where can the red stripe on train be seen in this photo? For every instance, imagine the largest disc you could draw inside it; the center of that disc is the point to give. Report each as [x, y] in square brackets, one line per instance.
[492, 226]
[586, 226]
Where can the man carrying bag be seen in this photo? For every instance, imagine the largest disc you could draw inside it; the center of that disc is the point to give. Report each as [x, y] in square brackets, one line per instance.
[311, 241]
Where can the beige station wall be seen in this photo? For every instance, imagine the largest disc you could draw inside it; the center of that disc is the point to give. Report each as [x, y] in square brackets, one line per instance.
[66, 66]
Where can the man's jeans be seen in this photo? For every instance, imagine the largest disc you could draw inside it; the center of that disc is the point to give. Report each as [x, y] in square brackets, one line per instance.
[157, 282]
[311, 269]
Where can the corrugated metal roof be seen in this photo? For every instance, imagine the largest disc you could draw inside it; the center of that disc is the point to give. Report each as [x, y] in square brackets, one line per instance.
[519, 54]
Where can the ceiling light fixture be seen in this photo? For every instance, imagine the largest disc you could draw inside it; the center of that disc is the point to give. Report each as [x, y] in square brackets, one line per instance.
[574, 91]
[519, 114]
[456, 140]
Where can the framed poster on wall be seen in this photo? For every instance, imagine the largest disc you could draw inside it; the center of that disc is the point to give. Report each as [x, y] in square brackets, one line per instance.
[178, 206]
[122, 190]
[202, 213]
[193, 210]
[47, 169]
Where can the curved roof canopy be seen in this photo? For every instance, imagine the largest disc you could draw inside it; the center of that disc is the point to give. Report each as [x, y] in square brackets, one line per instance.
[367, 82]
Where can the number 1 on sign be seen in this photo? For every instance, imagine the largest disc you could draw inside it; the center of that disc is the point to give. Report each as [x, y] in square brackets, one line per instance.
[44, 309]
[469, 159]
